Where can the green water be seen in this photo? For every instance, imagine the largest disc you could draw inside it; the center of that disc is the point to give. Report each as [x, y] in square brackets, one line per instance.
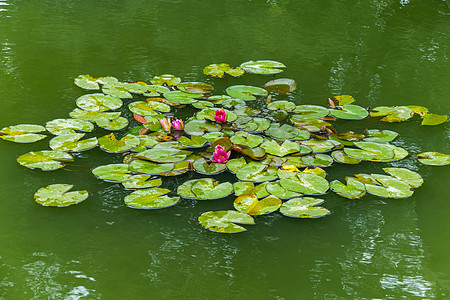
[383, 52]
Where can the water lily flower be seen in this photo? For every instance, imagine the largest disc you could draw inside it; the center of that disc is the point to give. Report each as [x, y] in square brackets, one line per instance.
[220, 115]
[220, 155]
[178, 124]
[165, 124]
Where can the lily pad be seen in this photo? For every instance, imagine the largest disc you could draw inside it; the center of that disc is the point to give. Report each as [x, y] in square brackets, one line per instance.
[343, 99]
[202, 104]
[98, 102]
[392, 113]
[152, 198]
[283, 132]
[349, 112]
[195, 87]
[45, 160]
[390, 188]
[434, 159]
[410, 177]
[277, 190]
[434, 119]
[110, 143]
[255, 173]
[281, 105]
[340, 157]
[194, 142]
[112, 172]
[163, 155]
[370, 151]
[60, 126]
[154, 90]
[245, 92]
[266, 67]
[115, 124]
[210, 189]
[57, 195]
[71, 142]
[309, 112]
[205, 167]
[380, 136]
[116, 90]
[319, 146]
[318, 160]
[304, 208]
[309, 125]
[354, 189]
[148, 108]
[22, 133]
[281, 86]
[304, 183]
[150, 168]
[168, 79]
[141, 182]
[199, 127]
[93, 115]
[86, 82]
[182, 97]
[225, 221]
[219, 70]
[236, 164]
[286, 148]
[245, 188]
[250, 204]
[242, 138]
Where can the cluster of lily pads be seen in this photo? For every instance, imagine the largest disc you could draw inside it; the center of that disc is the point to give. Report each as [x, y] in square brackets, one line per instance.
[277, 150]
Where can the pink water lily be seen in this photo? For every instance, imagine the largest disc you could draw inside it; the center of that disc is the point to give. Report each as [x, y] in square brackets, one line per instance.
[220, 115]
[178, 124]
[220, 155]
[165, 124]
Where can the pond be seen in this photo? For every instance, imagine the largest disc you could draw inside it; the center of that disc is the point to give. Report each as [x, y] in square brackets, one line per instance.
[382, 52]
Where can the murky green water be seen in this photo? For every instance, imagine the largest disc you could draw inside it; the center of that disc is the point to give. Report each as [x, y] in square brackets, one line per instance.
[383, 52]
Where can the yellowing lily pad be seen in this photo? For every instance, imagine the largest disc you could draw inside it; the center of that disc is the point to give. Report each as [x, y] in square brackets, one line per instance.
[110, 143]
[250, 204]
[392, 113]
[23, 133]
[219, 70]
[71, 142]
[225, 221]
[152, 198]
[434, 159]
[168, 79]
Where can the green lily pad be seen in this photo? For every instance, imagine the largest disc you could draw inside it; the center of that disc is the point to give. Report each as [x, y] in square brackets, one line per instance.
[309, 125]
[93, 115]
[281, 86]
[145, 142]
[210, 189]
[255, 173]
[45, 160]
[150, 108]
[245, 139]
[182, 97]
[343, 99]
[349, 112]
[283, 132]
[304, 208]
[399, 153]
[199, 127]
[230, 103]
[86, 82]
[319, 146]
[434, 159]
[110, 143]
[304, 183]
[150, 168]
[236, 164]
[309, 112]
[245, 92]
[195, 87]
[194, 142]
[117, 90]
[370, 151]
[205, 167]
[154, 90]
[256, 153]
[410, 177]
[60, 126]
[107, 80]
[380, 136]
[318, 160]
[392, 113]
[243, 188]
[56, 195]
[161, 155]
[22, 133]
[202, 104]
[250, 204]
[281, 105]
[224, 221]
[340, 157]
[286, 148]
[115, 124]
[277, 190]
[152, 198]
[71, 142]
[98, 102]
[112, 172]
[219, 70]
[354, 189]
[390, 188]
[141, 182]
[168, 79]
[433, 119]
[265, 67]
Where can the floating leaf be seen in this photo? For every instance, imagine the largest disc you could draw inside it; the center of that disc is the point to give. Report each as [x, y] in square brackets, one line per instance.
[154, 90]
[390, 188]
[116, 90]
[433, 119]
[223, 221]
[236, 164]
[92, 115]
[245, 92]
[193, 142]
[168, 79]
[71, 142]
[283, 132]
[281, 86]
[309, 125]
[309, 184]
[148, 108]
[60, 126]
[380, 136]
[244, 188]
[182, 97]
[98, 102]
[255, 173]
[304, 208]
[266, 67]
[282, 105]
[349, 112]
[277, 190]
[434, 159]
[141, 182]
[309, 112]
[341, 157]
[22, 133]
[354, 189]
[109, 143]
[45, 160]
[250, 204]
[286, 148]
[57, 195]
[343, 99]
[392, 113]
[245, 139]
[199, 127]
[319, 146]
[107, 80]
[163, 155]
[112, 172]
[257, 153]
[205, 167]
[318, 160]
[370, 151]
[210, 189]
[195, 87]
[86, 82]
[202, 104]
[410, 177]
[219, 70]
[150, 168]
[153, 198]
[115, 124]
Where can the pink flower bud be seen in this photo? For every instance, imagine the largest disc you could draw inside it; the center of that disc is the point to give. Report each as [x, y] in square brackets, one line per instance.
[165, 124]
[220, 116]
[178, 124]
[220, 155]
